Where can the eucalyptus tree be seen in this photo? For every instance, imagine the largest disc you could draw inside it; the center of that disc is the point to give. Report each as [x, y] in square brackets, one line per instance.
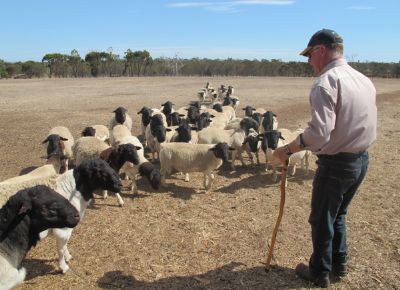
[136, 62]
[56, 63]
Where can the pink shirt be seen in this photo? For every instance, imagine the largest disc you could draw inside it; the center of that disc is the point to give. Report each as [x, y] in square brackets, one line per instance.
[344, 114]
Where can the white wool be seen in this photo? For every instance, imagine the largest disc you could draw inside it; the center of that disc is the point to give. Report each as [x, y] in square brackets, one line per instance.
[87, 147]
[127, 123]
[186, 157]
[118, 133]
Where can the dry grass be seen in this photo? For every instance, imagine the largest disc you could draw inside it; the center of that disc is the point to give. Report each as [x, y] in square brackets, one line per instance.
[181, 237]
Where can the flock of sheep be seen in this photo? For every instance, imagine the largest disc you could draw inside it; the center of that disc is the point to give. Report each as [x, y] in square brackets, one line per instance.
[195, 138]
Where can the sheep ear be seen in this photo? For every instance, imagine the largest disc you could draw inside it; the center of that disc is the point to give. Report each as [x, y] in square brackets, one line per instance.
[138, 147]
[45, 140]
[274, 115]
[25, 208]
[168, 129]
[231, 148]
[63, 139]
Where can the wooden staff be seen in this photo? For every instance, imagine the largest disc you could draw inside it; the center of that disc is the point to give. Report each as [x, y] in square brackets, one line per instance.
[278, 221]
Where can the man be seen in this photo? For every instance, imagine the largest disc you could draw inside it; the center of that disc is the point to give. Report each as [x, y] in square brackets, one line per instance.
[342, 127]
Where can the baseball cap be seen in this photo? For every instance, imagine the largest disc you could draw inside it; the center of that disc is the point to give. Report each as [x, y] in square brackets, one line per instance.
[323, 36]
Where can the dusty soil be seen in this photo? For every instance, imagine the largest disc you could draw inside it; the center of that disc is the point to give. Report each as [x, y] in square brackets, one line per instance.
[182, 237]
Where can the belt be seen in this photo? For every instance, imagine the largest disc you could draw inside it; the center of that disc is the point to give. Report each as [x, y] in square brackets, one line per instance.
[342, 156]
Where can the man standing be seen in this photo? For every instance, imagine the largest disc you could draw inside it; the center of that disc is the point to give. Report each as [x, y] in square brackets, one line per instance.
[342, 127]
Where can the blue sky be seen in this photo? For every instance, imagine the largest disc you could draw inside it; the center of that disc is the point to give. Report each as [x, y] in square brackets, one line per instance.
[253, 29]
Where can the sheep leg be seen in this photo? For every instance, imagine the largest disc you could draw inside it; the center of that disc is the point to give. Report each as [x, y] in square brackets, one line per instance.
[105, 194]
[62, 237]
[233, 159]
[293, 170]
[208, 176]
[119, 198]
[187, 177]
[274, 175]
[258, 158]
[307, 161]
[251, 156]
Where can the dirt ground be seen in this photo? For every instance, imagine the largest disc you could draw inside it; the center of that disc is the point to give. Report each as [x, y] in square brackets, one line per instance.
[182, 237]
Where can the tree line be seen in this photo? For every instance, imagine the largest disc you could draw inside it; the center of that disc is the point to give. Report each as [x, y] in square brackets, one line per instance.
[140, 63]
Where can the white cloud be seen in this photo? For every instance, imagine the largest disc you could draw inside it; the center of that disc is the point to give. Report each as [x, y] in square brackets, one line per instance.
[228, 5]
[360, 8]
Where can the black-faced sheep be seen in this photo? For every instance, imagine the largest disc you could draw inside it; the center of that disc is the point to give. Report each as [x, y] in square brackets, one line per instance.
[22, 218]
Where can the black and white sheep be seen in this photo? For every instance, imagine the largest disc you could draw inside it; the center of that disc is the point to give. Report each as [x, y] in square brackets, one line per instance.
[144, 167]
[60, 138]
[27, 213]
[101, 132]
[121, 117]
[77, 185]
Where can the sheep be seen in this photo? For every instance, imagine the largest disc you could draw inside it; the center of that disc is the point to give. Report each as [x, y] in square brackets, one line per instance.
[234, 137]
[269, 122]
[101, 132]
[156, 134]
[186, 157]
[145, 120]
[65, 141]
[91, 147]
[274, 139]
[77, 185]
[23, 217]
[121, 117]
[144, 167]
[40, 175]
[252, 144]
[118, 133]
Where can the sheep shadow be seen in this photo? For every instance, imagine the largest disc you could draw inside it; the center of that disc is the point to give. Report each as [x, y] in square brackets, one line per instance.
[39, 267]
[229, 276]
[177, 191]
[253, 182]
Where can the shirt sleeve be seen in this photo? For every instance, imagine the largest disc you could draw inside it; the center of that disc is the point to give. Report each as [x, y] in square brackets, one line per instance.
[323, 118]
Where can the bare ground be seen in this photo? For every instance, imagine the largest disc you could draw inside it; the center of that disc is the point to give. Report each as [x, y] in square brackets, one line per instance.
[181, 237]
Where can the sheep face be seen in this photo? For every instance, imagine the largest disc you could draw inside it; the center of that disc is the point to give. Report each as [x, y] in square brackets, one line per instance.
[248, 111]
[220, 151]
[175, 119]
[45, 207]
[247, 123]
[152, 174]
[94, 174]
[268, 121]
[128, 152]
[146, 115]
[88, 131]
[120, 115]
[54, 143]
[185, 132]
[253, 141]
[217, 107]
[160, 133]
[270, 140]
[167, 108]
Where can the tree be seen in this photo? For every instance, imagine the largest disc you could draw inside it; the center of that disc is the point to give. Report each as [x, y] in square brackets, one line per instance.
[3, 70]
[55, 63]
[137, 61]
[33, 69]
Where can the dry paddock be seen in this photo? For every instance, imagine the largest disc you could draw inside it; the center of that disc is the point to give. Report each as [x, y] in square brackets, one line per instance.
[182, 237]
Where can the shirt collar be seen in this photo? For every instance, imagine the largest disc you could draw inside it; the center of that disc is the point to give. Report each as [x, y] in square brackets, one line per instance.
[332, 64]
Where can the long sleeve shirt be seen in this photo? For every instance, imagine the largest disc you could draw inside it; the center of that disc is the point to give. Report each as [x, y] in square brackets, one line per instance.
[344, 113]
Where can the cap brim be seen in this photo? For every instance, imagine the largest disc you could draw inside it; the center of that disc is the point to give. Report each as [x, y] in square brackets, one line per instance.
[306, 51]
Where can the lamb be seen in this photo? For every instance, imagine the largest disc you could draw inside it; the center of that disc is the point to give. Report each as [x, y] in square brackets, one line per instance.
[77, 185]
[252, 144]
[121, 117]
[144, 167]
[269, 122]
[60, 137]
[23, 217]
[101, 132]
[156, 134]
[186, 157]
[91, 147]
[274, 139]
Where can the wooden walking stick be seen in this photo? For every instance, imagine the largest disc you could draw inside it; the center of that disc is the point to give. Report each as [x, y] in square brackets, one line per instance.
[278, 221]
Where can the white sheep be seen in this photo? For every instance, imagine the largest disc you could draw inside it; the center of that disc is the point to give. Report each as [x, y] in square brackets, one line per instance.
[186, 157]
[101, 132]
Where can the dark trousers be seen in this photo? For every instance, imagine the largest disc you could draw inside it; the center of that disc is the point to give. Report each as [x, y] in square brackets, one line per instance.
[335, 183]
